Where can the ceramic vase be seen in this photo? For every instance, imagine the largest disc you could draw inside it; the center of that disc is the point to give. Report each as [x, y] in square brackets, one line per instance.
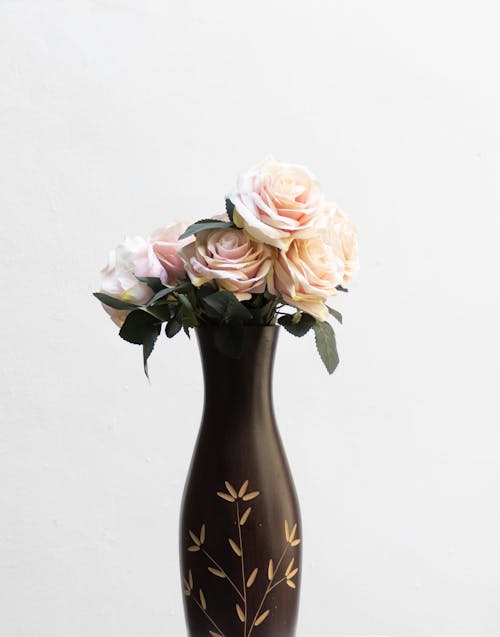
[240, 532]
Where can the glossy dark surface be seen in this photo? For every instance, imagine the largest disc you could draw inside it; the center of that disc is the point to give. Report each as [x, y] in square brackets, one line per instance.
[239, 442]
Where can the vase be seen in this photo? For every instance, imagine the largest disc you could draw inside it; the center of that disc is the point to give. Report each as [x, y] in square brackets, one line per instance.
[240, 547]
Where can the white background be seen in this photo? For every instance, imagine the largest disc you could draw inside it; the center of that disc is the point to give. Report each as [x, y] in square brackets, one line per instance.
[117, 116]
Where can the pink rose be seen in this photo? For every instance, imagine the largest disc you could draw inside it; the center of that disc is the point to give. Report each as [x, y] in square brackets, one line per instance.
[342, 235]
[166, 246]
[134, 256]
[230, 259]
[306, 275]
[276, 203]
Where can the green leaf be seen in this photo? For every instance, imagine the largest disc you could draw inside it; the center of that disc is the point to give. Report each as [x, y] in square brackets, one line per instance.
[267, 311]
[148, 346]
[137, 326]
[230, 209]
[342, 289]
[326, 345]
[173, 327]
[205, 224]
[202, 292]
[229, 340]
[223, 305]
[154, 282]
[143, 329]
[115, 303]
[335, 314]
[160, 295]
[162, 311]
[187, 312]
[297, 328]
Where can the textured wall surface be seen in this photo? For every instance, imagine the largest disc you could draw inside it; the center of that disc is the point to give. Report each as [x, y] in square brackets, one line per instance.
[119, 115]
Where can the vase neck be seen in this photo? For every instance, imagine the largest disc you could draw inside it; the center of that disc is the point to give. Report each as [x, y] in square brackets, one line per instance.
[238, 391]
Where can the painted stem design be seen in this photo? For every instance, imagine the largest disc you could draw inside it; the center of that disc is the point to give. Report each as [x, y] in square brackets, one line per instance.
[208, 617]
[226, 576]
[237, 497]
[244, 581]
[269, 588]
[283, 579]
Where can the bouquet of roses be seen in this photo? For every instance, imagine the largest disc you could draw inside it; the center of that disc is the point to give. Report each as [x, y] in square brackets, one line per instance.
[277, 254]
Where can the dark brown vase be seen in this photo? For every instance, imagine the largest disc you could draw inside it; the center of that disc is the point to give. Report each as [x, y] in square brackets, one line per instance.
[240, 521]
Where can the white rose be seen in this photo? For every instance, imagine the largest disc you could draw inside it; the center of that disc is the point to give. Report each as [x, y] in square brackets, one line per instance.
[306, 274]
[228, 259]
[276, 203]
[341, 234]
[134, 256]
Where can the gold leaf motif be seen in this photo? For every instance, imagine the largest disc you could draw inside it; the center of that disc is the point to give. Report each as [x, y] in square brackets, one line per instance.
[231, 489]
[233, 495]
[245, 515]
[225, 496]
[270, 570]
[240, 613]
[243, 489]
[235, 547]
[251, 495]
[252, 577]
[203, 600]
[262, 617]
[216, 571]
[195, 538]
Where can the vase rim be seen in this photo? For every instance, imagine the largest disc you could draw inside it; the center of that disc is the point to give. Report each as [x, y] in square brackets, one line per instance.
[260, 327]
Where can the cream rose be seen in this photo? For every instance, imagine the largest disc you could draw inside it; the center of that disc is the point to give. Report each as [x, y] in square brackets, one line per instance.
[134, 256]
[306, 275]
[276, 203]
[342, 235]
[166, 246]
[229, 259]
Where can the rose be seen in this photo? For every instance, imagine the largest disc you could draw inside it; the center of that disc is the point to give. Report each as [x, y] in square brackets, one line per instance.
[134, 256]
[166, 246]
[229, 259]
[342, 235]
[306, 275]
[276, 203]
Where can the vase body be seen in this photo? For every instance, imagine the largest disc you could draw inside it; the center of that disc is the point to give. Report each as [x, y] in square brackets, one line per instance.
[240, 522]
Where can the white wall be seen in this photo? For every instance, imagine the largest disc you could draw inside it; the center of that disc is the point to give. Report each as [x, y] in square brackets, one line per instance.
[118, 115]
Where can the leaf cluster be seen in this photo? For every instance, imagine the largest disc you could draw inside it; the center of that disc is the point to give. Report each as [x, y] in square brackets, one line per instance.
[300, 323]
